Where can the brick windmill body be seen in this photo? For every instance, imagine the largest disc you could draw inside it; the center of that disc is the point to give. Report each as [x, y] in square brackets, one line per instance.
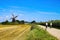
[14, 18]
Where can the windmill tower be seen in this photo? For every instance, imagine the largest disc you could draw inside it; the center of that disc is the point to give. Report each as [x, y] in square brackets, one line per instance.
[14, 18]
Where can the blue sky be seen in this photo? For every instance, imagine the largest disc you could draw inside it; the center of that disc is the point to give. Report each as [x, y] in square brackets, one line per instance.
[28, 10]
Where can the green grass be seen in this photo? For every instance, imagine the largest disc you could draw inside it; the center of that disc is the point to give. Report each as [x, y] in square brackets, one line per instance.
[40, 34]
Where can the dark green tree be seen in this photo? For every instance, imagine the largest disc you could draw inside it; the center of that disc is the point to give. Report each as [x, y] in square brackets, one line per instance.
[6, 22]
[33, 21]
[18, 21]
[22, 22]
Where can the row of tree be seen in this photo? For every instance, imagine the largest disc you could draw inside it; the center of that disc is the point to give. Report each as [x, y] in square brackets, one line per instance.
[55, 23]
[16, 22]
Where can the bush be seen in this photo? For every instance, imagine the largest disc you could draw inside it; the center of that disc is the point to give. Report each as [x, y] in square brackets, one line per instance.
[22, 22]
[55, 23]
[33, 21]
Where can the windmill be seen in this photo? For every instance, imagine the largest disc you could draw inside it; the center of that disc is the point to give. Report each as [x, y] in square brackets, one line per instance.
[14, 18]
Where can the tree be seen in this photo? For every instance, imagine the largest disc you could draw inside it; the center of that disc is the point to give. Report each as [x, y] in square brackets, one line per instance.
[33, 21]
[6, 22]
[22, 22]
[17, 21]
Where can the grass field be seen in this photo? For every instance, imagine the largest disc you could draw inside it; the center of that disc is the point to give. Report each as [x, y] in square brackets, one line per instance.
[23, 32]
[39, 34]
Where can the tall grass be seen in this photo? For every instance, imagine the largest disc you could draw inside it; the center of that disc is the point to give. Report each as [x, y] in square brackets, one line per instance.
[39, 34]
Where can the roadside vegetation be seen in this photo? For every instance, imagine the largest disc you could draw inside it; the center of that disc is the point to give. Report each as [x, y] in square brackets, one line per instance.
[39, 34]
[55, 23]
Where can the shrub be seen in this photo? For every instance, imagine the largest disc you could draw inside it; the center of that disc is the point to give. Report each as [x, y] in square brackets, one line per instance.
[55, 23]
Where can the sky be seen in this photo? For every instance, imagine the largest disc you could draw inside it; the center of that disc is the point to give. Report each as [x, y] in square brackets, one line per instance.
[29, 10]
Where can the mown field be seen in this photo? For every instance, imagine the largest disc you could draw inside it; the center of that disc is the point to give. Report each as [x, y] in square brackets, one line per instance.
[13, 32]
[23, 32]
